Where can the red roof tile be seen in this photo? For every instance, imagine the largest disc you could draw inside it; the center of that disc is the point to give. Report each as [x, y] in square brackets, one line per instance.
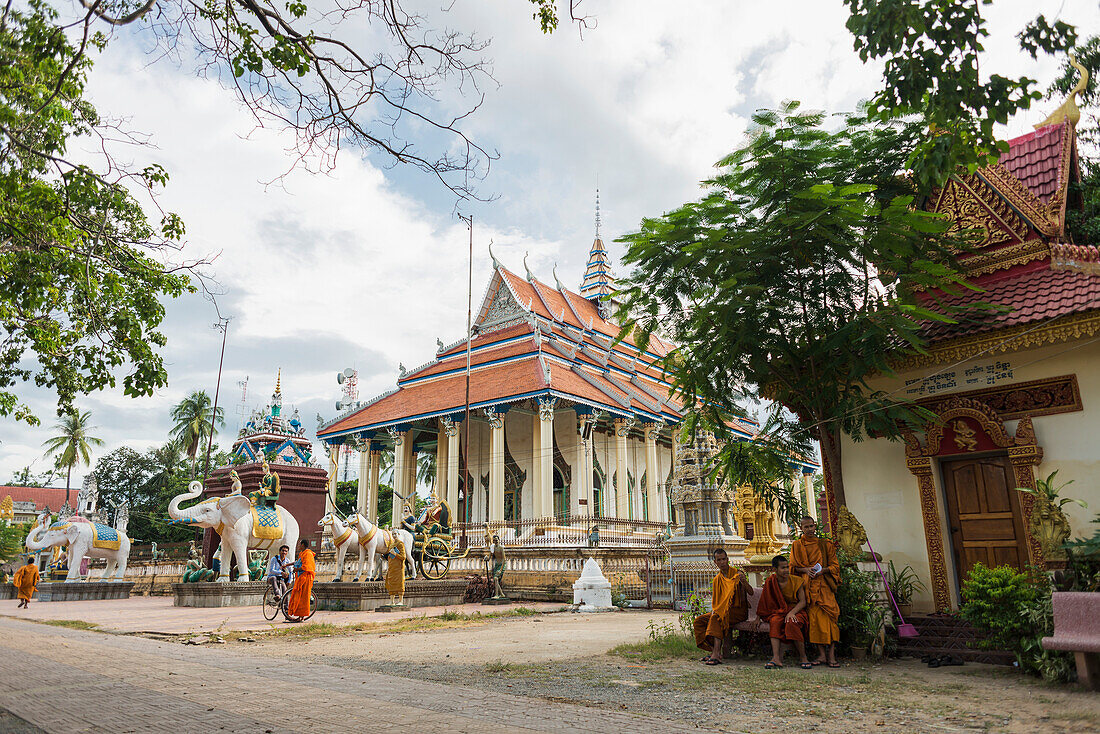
[1036, 159]
[1039, 294]
[43, 497]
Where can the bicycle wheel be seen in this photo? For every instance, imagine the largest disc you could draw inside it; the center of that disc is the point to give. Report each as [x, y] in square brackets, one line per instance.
[312, 607]
[271, 607]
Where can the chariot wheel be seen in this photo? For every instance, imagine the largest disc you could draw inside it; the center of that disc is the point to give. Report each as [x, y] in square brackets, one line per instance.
[435, 559]
[271, 607]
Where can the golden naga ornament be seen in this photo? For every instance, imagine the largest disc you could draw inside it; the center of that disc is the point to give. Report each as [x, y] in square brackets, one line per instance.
[850, 535]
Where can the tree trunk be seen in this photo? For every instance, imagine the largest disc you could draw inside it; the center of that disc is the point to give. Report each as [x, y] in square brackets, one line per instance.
[68, 482]
[830, 453]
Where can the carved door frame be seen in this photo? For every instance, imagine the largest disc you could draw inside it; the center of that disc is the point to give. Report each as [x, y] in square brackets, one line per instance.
[1024, 454]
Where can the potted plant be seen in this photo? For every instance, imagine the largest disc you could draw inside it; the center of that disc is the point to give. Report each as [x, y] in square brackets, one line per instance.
[903, 584]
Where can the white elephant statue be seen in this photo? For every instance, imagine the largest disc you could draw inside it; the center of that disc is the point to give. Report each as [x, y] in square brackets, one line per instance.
[84, 539]
[236, 521]
[344, 538]
[372, 544]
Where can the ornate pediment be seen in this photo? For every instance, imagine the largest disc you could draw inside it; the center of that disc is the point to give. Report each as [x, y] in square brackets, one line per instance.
[972, 204]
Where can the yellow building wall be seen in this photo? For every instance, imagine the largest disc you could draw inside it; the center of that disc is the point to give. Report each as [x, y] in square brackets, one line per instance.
[883, 494]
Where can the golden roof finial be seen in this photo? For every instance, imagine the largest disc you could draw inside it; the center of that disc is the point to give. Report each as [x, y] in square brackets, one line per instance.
[1069, 110]
[278, 382]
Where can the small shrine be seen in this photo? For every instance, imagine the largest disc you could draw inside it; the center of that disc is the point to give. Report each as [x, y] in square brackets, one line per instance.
[270, 439]
[703, 512]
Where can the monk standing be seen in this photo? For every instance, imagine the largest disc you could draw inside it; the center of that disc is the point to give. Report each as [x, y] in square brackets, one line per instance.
[729, 605]
[26, 581]
[783, 607]
[814, 559]
[297, 607]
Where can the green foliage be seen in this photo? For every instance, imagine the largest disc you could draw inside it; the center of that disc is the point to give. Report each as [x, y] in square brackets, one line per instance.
[11, 541]
[664, 643]
[146, 482]
[194, 420]
[695, 606]
[1083, 563]
[793, 279]
[931, 51]
[1087, 53]
[72, 446]
[80, 263]
[1083, 224]
[903, 583]
[993, 602]
[1045, 489]
[26, 478]
[862, 615]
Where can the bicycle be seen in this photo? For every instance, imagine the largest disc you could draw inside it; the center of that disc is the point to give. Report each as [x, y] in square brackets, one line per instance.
[271, 608]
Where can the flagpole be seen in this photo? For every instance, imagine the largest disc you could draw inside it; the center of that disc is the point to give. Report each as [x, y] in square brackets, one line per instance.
[469, 337]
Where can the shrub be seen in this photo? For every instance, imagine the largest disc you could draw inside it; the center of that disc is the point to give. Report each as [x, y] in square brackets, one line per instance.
[861, 613]
[1014, 611]
[695, 607]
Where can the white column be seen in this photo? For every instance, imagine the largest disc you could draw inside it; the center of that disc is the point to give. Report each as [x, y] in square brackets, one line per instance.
[808, 495]
[496, 465]
[545, 456]
[536, 468]
[402, 448]
[622, 492]
[583, 476]
[653, 498]
[372, 489]
[334, 470]
[364, 481]
[452, 429]
[441, 447]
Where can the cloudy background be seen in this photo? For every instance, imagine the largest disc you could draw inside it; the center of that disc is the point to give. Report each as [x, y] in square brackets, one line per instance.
[366, 267]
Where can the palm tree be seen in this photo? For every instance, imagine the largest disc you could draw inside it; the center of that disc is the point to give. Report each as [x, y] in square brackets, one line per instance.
[195, 419]
[425, 470]
[166, 461]
[72, 445]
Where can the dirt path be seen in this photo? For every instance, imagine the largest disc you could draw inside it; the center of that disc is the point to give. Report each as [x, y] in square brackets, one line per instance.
[565, 658]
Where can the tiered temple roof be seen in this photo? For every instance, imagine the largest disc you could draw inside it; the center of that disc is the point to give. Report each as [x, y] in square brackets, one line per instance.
[531, 340]
[1020, 203]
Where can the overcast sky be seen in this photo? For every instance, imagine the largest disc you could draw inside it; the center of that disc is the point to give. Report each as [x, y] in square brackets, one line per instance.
[366, 267]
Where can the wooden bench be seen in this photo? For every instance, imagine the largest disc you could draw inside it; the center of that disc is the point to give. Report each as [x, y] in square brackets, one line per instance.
[1077, 630]
[753, 623]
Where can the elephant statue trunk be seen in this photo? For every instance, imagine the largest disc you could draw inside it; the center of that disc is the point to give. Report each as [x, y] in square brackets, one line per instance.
[194, 489]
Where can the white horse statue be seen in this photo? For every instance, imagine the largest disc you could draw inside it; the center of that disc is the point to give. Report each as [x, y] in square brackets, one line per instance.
[344, 538]
[373, 542]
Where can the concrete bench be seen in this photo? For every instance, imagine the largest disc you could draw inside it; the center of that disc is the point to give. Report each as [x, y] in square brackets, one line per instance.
[1077, 630]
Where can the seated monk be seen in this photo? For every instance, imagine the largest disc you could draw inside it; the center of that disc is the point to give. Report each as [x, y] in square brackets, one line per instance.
[783, 607]
[729, 605]
[815, 560]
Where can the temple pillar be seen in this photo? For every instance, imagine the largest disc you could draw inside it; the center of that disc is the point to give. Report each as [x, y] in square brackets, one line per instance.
[441, 448]
[334, 470]
[364, 481]
[622, 489]
[451, 428]
[536, 467]
[653, 500]
[496, 465]
[808, 498]
[585, 496]
[402, 452]
[371, 510]
[545, 456]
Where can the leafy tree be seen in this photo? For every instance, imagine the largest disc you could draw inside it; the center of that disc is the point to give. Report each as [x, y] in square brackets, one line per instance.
[347, 495]
[195, 420]
[932, 52]
[125, 475]
[82, 267]
[11, 541]
[72, 446]
[793, 279]
[166, 464]
[26, 478]
[425, 469]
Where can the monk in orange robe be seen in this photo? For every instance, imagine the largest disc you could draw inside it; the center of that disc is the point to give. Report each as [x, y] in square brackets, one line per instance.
[783, 606]
[814, 559]
[298, 604]
[26, 581]
[729, 605]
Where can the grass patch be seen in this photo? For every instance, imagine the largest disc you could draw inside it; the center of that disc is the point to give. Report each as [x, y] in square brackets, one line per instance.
[662, 647]
[73, 624]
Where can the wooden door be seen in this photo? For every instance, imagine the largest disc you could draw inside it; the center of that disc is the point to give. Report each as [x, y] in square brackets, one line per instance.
[983, 510]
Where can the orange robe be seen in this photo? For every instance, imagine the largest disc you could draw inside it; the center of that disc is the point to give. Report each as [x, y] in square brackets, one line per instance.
[824, 610]
[728, 604]
[395, 569]
[775, 601]
[298, 606]
[26, 580]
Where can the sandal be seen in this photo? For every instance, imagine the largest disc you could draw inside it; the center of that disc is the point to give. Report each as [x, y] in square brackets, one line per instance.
[806, 666]
[833, 665]
[771, 665]
[712, 661]
[816, 663]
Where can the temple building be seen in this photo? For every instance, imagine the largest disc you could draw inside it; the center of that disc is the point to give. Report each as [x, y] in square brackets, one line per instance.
[564, 423]
[1016, 392]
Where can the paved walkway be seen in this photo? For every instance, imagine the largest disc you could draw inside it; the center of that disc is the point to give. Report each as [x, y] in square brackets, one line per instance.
[158, 614]
[71, 681]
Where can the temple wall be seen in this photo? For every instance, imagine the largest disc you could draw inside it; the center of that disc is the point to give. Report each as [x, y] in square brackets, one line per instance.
[569, 444]
[519, 434]
[883, 493]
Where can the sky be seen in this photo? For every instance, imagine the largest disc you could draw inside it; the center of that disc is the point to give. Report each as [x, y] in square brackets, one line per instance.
[365, 266]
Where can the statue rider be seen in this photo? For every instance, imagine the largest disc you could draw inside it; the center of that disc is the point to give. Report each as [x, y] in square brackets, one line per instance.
[268, 493]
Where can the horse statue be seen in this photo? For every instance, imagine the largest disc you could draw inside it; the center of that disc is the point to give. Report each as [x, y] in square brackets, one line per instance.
[374, 542]
[343, 537]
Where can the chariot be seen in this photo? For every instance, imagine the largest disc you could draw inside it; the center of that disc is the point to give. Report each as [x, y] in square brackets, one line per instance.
[433, 541]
